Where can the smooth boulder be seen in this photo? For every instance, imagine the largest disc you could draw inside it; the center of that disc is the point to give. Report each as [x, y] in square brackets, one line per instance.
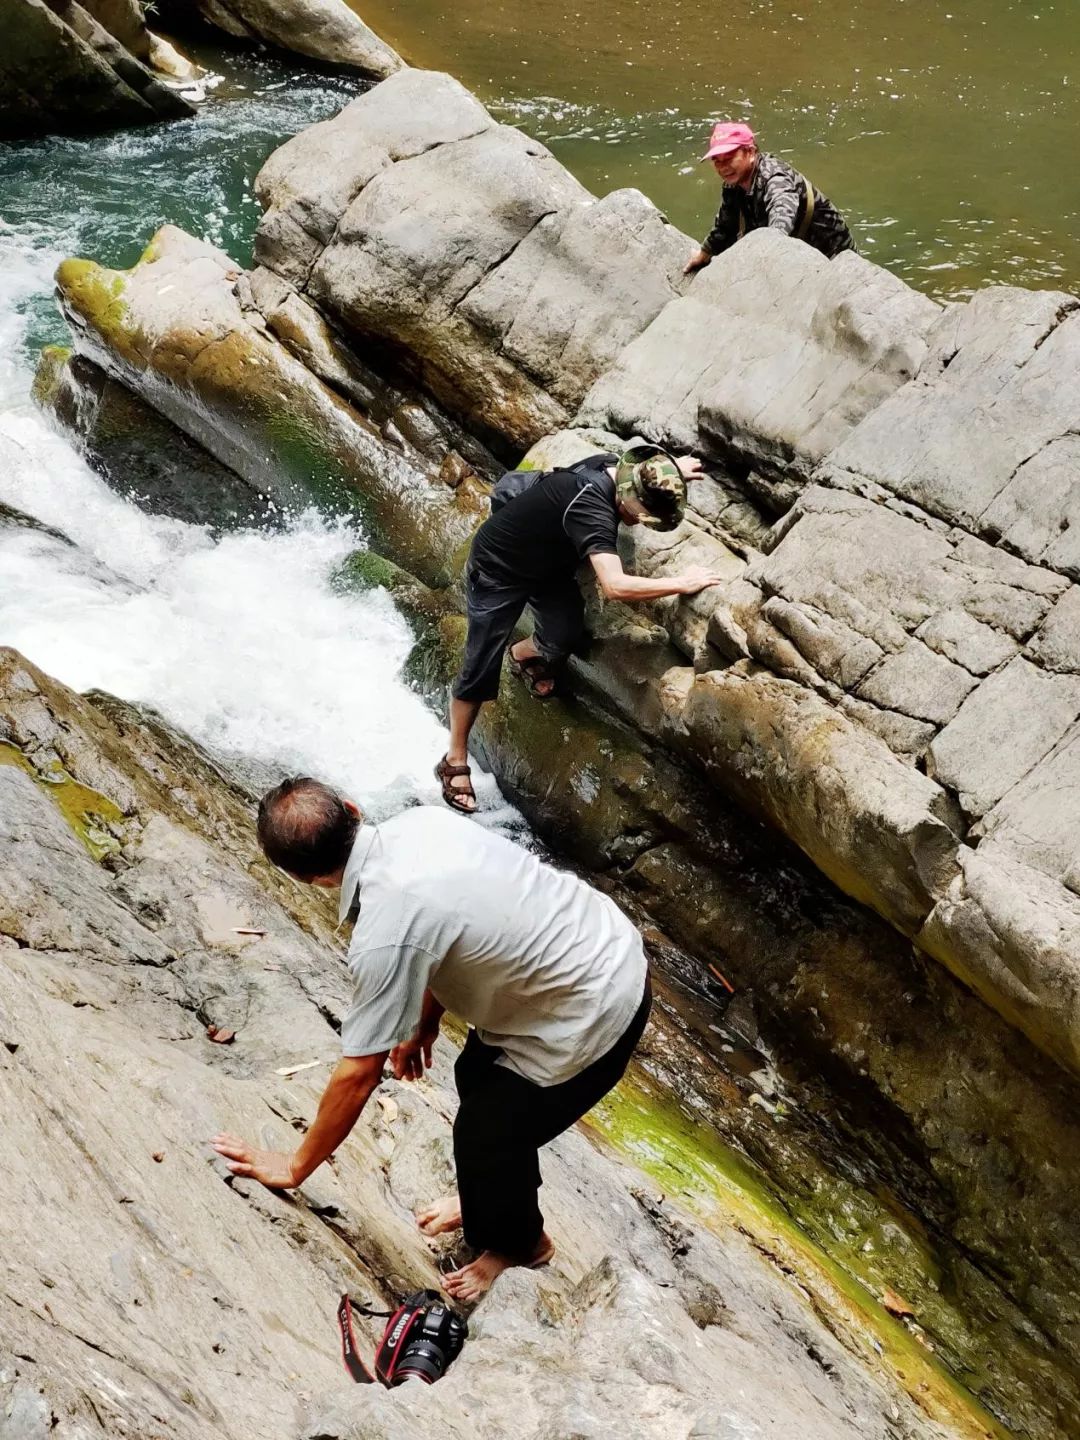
[508, 287]
[174, 330]
[329, 31]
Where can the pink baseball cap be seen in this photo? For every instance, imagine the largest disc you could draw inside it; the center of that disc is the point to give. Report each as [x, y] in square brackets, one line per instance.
[727, 136]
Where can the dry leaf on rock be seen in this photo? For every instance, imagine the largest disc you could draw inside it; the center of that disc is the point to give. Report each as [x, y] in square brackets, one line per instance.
[295, 1069]
[896, 1304]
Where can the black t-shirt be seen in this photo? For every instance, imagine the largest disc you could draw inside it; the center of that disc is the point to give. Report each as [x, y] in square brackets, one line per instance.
[546, 532]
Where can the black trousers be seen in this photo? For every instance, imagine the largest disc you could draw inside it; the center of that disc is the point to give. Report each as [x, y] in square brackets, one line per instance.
[501, 1123]
[494, 608]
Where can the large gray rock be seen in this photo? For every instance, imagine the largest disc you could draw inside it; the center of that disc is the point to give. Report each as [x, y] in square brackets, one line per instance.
[985, 437]
[773, 356]
[327, 30]
[195, 1304]
[307, 184]
[468, 248]
[881, 831]
[60, 69]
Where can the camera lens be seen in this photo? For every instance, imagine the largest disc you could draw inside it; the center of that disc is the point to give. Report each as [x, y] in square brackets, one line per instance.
[422, 1360]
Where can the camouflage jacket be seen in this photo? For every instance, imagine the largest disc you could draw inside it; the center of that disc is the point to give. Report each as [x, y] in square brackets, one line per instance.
[777, 199]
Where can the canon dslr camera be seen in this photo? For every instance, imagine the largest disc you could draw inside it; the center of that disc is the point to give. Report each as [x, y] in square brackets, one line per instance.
[422, 1337]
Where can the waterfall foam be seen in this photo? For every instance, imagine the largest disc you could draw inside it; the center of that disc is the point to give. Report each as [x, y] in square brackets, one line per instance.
[240, 640]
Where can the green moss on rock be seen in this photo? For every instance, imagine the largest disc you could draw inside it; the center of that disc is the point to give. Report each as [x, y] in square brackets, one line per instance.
[49, 374]
[689, 1161]
[95, 296]
[93, 817]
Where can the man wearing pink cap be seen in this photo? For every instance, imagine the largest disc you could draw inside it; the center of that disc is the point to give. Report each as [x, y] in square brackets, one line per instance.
[761, 190]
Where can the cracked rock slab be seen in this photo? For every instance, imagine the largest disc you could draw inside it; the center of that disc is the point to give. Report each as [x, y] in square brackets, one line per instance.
[877, 612]
[882, 832]
[1013, 935]
[1002, 731]
[772, 356]
[986, 435]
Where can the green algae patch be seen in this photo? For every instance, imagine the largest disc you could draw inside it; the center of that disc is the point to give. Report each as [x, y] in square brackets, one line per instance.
[49, 374]
[364, 570]
[689, 1162]
[151, 252]
[96, 296]
[93, 817]
[423, 607]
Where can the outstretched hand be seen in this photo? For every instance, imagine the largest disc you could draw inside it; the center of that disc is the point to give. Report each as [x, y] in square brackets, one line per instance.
[272, 1168]
[689, 466]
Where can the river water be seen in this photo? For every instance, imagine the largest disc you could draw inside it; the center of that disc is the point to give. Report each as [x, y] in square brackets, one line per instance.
[944, 129]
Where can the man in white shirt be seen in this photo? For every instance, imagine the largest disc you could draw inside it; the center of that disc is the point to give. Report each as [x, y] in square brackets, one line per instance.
[549, 974]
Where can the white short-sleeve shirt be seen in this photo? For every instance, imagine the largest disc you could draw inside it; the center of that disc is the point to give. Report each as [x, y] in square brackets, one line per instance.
[546, 968]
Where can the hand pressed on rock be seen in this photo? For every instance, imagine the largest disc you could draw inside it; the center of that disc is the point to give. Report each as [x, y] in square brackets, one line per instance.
[699, 577]
[272, 1168]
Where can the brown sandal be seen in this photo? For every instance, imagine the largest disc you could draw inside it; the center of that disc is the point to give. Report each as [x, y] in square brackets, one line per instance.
[454, 794]
[533, 672]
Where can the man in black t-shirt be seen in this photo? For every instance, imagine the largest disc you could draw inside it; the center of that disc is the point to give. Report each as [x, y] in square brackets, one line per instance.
[527, 553]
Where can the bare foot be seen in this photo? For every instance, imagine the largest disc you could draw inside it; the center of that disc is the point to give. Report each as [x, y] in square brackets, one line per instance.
[472, 1281]
[441, 1217]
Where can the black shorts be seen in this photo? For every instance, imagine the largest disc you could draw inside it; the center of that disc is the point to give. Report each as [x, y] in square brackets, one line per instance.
[494, 607]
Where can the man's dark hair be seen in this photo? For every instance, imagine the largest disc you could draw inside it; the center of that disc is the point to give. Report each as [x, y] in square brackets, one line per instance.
[305, 828]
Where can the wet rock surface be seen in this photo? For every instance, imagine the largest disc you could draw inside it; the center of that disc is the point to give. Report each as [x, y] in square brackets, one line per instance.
[198, 1304]
[180, 331]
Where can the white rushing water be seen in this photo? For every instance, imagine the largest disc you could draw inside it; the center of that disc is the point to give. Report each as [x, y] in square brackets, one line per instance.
[239, 640]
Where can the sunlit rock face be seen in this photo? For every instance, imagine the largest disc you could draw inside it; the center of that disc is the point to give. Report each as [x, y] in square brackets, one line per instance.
[885, 681]
[136, 913]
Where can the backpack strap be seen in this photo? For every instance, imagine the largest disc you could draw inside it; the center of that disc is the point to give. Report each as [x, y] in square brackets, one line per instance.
[587, 472]
[802, 230]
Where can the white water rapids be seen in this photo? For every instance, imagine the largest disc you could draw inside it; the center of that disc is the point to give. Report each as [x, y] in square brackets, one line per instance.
[239, 640]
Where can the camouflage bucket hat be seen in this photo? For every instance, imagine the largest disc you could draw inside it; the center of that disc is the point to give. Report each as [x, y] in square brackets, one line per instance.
[649, 475]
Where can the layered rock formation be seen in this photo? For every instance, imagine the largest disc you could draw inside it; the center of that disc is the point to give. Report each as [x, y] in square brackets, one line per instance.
[67, 66]
[877, 679]
[149, 1292]
[857, 682]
